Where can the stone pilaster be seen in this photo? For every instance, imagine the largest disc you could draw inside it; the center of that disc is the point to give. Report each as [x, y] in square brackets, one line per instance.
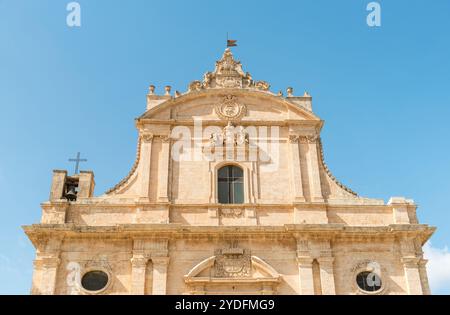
[86, 184]
[46, 266]
[399, 210]
[327, 275]
[146, 158]
[163, 171]
[305, 267]
[160, 265]
[296, 173]
[424, 277]
[410, 257]
[45, 273]
[57, 189]
[312, 158]
[412, 275]
[305, 271]
[138, 268]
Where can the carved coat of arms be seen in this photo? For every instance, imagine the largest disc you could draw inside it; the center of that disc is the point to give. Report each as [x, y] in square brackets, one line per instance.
[230, 108]
[232, 263]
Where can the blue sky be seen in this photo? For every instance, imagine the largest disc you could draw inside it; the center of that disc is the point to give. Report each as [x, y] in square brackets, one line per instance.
[383, 93]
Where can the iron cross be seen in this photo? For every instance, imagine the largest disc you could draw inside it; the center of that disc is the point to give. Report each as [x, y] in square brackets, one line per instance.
[77, 162]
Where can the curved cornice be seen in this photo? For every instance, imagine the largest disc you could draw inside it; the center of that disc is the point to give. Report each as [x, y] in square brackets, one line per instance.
[325, 167]
[132, 171]
[192, 95]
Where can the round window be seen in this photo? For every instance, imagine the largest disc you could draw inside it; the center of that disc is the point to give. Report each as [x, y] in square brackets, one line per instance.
[368, 281]
[94, 280]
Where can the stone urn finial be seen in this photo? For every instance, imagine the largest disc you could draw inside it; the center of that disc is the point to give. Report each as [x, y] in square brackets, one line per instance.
[167, 89]
[290, 92]
[151, 89]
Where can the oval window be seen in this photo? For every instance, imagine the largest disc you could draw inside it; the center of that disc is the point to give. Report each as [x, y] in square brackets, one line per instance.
[368, 281]
[94, 280]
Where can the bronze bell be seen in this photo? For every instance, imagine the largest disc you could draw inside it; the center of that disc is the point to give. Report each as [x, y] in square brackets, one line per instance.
[71, 195]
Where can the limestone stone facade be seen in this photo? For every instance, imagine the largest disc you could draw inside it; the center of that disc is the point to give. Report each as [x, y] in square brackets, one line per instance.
[162, 229]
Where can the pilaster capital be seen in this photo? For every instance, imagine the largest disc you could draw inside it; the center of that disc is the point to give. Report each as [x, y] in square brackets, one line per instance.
[423, 262]
[165, 138]
[304, 261]
[139, 261]
[160, 260]
[147, 137]
[311, 139]
[325, 260]
[410, 262]
[47, 262]
[293, 138]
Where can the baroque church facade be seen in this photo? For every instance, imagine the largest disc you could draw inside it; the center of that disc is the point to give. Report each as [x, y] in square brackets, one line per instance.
[229, 194]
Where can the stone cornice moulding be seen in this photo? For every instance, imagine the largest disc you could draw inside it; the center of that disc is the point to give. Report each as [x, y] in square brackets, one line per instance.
[227, 91]
[106, 204]
[39, 232]
[318, 124]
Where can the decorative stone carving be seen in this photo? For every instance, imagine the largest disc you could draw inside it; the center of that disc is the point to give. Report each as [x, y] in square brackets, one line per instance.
[195, 86]
[241, 136]
[147, 137]
[290, 92]
[232, 262]
[293, 138]
[232, 212]
[308, 139]
[230, 136]
[230, 108]
[165, 139]
[228, 73]
[262, 85]
[303, 249]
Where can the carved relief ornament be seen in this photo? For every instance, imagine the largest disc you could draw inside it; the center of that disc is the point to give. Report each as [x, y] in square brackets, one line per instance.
[232, 263]
[308, 139]
[228, 73]
[230, 109]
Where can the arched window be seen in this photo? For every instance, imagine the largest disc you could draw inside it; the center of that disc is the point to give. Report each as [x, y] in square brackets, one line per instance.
[231, 184]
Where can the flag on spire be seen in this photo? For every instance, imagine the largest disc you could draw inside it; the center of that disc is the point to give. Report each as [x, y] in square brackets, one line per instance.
[231, 42]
